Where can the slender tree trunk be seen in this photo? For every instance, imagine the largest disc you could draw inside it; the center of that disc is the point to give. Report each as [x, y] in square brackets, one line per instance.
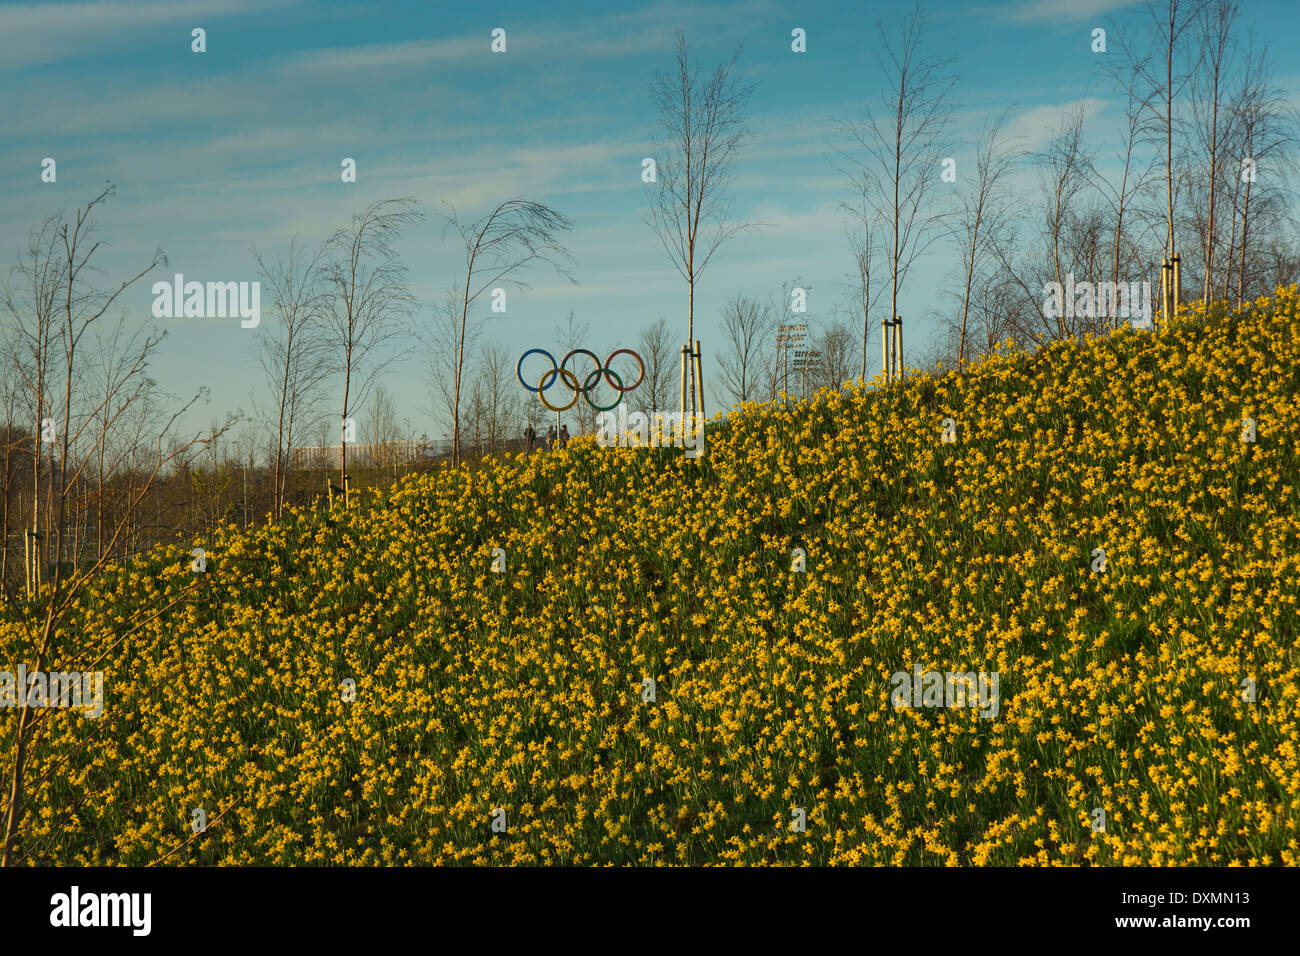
[33, 561]
[690, 331]
[1169, 135]
[4, 521]
[343, 433]
[898, 171]
[277, 505]
[13, 813]
[1214, 176]
[1119, 229]
[865, 328]
[965, 301]
[1232, 241]
[1241, 269]
[460, 362]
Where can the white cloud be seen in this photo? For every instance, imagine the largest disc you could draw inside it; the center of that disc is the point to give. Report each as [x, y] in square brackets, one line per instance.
[383, 58]
[35, 33]
[1036, 127]
[1066, 10]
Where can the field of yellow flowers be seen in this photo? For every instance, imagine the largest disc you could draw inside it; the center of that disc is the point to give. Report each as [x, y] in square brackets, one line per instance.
[519, 697]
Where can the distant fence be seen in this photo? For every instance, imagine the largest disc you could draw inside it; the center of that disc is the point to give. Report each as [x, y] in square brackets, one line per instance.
[397, 453]
[381, 455]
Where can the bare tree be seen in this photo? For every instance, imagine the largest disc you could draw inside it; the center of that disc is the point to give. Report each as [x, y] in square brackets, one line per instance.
[496, 372]
[383, 431]
[689, 208]
[983, 215]
[656, 352]
[1133, 181]
[119, 387]
[366, 297]
[1064, 171]
[1214, 29]
[475, 421]
[451, 336]
[213, 481]
[1282, 261]
[31, 297]
[65, 250]
[863, 238]
[835, 343]
[903, 139]
[1156, 76]
[16, 445]
[1266, 137]
[294, 356]
[514, 235]
[997, 312]
[1020, 279]
[746, 325]
[133, 433]
[1071, 235]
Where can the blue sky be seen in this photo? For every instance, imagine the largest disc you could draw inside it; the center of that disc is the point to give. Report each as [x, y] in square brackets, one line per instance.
[211, 152]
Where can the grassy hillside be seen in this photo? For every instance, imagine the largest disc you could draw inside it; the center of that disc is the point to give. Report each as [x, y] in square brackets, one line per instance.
[1120, 690]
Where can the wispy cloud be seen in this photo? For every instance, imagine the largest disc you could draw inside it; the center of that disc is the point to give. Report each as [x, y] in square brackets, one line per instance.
[36, 33]
[1071, 11]
[1035, 127]
[385, 58]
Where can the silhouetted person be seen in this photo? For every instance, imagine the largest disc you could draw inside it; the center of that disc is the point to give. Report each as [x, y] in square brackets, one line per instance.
[550, 438]
[564, 436]
[531, 434]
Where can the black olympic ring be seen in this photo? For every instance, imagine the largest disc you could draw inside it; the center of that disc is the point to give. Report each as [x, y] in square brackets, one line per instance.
[562, 370]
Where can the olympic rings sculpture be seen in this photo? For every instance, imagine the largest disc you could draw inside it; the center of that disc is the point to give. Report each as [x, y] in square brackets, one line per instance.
[562, 372]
